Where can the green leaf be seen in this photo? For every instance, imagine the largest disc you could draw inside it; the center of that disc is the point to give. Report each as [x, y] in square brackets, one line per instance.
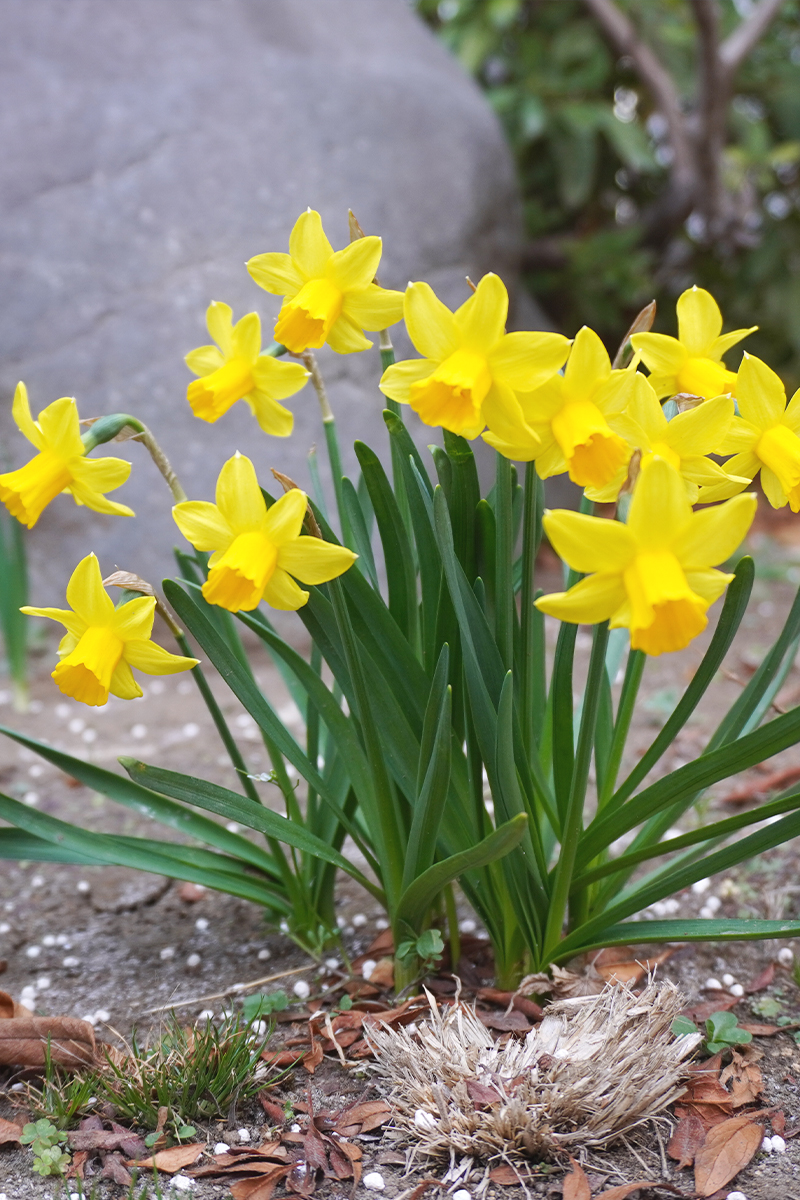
[358, 526]
[415, 901]
[434, 777]
[682, 1026]
[632, 933]
[20, 846]
[397, 553]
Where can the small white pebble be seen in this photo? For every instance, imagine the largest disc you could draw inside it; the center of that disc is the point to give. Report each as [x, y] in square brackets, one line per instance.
[31, 799]
[707, 913]
[728, 979]
[43, 983]
[61, 940]
[294, 1128]
[71, 961]
[37, 881]
[35, 706]
[424, 1120]
[221, 1148]
[202, 924]
[736, 1196]
[766, 1145]
[83, 886]
[469, 926]
[785, 956]
[206, 1015]
[264, 954]
[700, 886]
[167, 952]
[712, 985]
[27, 997]
[89, 1018]
[190, 729]
[301, 989]
[232, 827]
[258, 1029]
[332, 964]
[5, 927]
[33, 951]
[367, 967]
[62, 711]
[181, 1183]
[76, 725]
[359, 920]
[89, 736]
[139, 731]
[17, 1087]
[48, 940]
[244, 1135]
[713, 903]
[243, 721]
[381, 924]
[36, 770]
[284, 926]
[778, 1144]
[193, 960]
[102, 1014]
[374, 1181]
[462, 1194]
[736, 989]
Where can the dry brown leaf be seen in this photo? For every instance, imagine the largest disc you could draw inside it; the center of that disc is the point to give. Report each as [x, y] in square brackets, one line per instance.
[707, 1099]
[703, 1010]
[762, 981]
[383, 973]
[623, 1190]
[174, 1159]
[689, 1135]
[354, 1154]
[9, 1133]
[258, 1189]
[362, 1118]
[313, 1058]
[745, 1079]
[728, 1148]
[621, 964]
[423, 1186]
[576, 1185]
[506, 1176]
[764, 1030]
[513, 1022]
[6, 1006]
[24, 1042]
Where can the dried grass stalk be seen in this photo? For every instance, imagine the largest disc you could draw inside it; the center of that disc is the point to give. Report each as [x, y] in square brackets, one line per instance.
[593, 1069]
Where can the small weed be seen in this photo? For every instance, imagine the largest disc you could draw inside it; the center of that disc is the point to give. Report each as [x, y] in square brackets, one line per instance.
[428, 948]
[263, 1004]
[46, 1142]
[722, 1031]
[63, 1096]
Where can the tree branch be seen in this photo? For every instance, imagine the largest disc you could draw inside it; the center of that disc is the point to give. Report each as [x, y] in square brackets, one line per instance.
[712, 107]
[736, 47]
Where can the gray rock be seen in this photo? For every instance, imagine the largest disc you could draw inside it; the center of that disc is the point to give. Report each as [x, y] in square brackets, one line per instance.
[148, 149]
[118, 889]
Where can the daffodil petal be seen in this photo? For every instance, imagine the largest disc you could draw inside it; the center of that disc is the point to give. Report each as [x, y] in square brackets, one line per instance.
[219, 322]
[285, 518]
[760, 393]
[153, 659]
[238, 495]
[791, 417]
[773, 488]
[397, 379]
[550, 460]
[482, 318]
[308, 245]
[272, 417]
[588, 364]
[101, 474]
[246, 342]
[313, 561]
[86, 594]
[741, 438]
[430, 324]
[588, 602]
[542, 404]
[373, 307]
[204, 360]
[21, 412]
[708, 584]
[699, 321]
[87, 496]
[663, 385]
[283, 593]
[276, 273]
[123, 684]
[728, 340]
[521, 450]
[659, 508]
[75, 625]
[345, 337]
[661, 354]
[503, 414]
[134, 619]
[587, 543]
[611, 491]
[356, 265]
[525, 361]
[713, 534]
[202, 524]
[277, 378]
[60, 427]
[702, 470]
[701, 430]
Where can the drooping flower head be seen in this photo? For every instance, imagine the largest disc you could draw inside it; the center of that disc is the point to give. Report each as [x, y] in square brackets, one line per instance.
[692, 362]
[329, 296]
[60, 464]
[235, 369]
[654, 574]
[571, 416]
[102, 642]
[471, 368]
[684, 442]
[257, 550]
[765, 436]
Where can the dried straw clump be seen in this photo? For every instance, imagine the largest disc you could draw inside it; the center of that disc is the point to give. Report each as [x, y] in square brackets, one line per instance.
[595, 1067]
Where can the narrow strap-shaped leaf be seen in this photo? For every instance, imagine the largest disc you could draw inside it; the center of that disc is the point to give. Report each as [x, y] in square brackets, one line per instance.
[400, 434]
[358, 528]
[149, 803]
[463, 500]
[417, 898]
[628, 933]
[729, 621]
[22, 846]
[233, 807]
[424, 834]
[509, 799]
[397, 553]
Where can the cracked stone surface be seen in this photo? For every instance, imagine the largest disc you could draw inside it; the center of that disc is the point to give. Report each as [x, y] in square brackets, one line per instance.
[148, 149]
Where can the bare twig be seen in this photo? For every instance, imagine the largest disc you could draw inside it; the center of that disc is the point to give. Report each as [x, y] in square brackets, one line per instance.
[234, 990]
[736, 47]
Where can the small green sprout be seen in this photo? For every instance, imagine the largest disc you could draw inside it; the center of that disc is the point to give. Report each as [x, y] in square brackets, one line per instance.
[46, 1142]
[722, 1031]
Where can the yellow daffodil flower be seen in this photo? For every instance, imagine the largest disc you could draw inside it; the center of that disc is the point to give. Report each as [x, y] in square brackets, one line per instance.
[571, 418]
[257, 550]
[684, 442]
[60, 466]
[472, 368]
[765, 437]
[654, 574]
[102, 642]
[329, 296]
[235, 369]
[692, 362]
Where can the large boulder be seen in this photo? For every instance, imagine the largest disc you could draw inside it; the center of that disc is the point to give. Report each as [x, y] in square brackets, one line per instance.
[147, 149]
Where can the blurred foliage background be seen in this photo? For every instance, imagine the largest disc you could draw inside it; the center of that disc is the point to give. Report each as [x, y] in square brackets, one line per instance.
[596, 156]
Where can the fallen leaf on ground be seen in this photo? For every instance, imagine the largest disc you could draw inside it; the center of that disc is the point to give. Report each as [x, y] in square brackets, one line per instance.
[760, 789]
[383, 973]
[702, 1011]
[706, 1099]
[623, 1190]
[763, 980]
[258, 1189]
[9, 1133]
[513, 1022]
[621, 964]
[24, 1041]
[174, 1159]
[745, 1079]
[728, 1148]
[576, 1185]
[101, 1139]
[689, 1135]
[507, 1176]
[423, 1186]
[764, 1030]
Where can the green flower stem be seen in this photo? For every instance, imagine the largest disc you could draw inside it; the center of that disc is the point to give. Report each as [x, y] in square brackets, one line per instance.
[107, 429]
[309, 360]
[573, 822]
[532, 673]
[387, 359]
[627, 703]
[503, 580]
[276, 350]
